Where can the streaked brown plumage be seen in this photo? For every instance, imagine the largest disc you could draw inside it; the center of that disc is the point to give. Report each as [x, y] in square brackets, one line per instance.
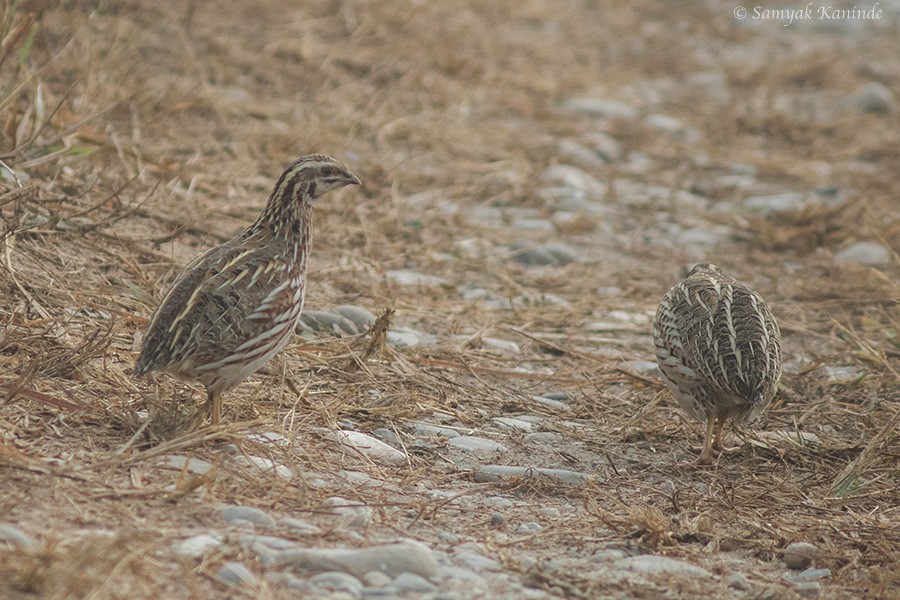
[719, 347]
[235, 307]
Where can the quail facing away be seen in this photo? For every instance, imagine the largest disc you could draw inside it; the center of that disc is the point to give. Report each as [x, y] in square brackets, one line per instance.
[719, 348]
[235, 307]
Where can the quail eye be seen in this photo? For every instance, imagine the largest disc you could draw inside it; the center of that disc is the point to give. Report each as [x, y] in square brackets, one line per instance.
[328, 171]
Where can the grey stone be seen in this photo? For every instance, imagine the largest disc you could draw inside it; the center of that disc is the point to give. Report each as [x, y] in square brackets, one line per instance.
[198, 545]
[266, 437]
[323, 321]
[842, 374]
[552, 403]
[369, 446]
[515, 423]
[543, 437]
[601, 107]
[376, 579]
[577, 152]
[412, 278]
[263, 465]
[608, 555]
[808, 589]
[471, 443]
[391, 559]
[299, 526]
[812, 574]
[270, 542]
[492, 473]
[292, 582]
[650, 564]
[872, 97]
[777, 204]
[404, 336]
[605, 145]
[738, 581]
[460, 574]
[338, 581]
[572, 177]
[869, 254]
[351, 514]
[799, 555]
[178, 462]
[644, 367]
[235, 573]
[14, 537]
[497, 519]
[386, 435]
[410, 582]
[246, 514]
[426, 429]
[528, 527]
[471, 556]
[361, 318]
[503, 345]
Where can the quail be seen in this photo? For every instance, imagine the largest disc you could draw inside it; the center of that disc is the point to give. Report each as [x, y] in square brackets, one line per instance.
[719, 348]
[235, 306]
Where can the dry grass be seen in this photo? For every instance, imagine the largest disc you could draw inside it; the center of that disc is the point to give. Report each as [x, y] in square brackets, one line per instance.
[142, 132]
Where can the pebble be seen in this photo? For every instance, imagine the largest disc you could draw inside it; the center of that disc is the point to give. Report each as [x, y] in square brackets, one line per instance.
[808, 589]
[404, 337]
[413, 278]
[515, 423]
[410, 582]
[494, 473]
[390, 559]
[650, 564]
[376, 579]
[872, 98]
[336, 581]
[198, 545]
[738, 581]
[552, 403]
[12, 536]
[502, 345]
[542, 255]
[178, 461]
[572, 177]
[528, 528]
[579, 153]
[777, 204]
[471, 443]
[644, 367]
[869, 254]
[799, 555]
[812, 574]
[235, 573]
[362, 318]
[426, 429]
[608, 555]
[299, 526]
[266, 437]
[606, 108]
[270, 542]
[466, 576]
[323, 321]
[264, 465]
[386, 435]
[352, 514]
[497, 520]
[371, 447]
[842, 374]
[292, 582]
[470, 555]
[605, 145]
[246, 514]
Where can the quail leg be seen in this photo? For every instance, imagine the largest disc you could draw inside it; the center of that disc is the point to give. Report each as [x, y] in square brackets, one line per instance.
[706, 455]
[718, 442]
[214, 406]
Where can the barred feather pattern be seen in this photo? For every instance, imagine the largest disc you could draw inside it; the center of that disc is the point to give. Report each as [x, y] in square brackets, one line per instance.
[718, 346]
[235, 307]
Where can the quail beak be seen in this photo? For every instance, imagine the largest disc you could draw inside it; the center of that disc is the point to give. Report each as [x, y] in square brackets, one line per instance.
[352, 179]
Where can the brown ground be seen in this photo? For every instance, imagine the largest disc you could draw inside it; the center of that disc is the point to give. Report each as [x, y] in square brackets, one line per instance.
[147, 131]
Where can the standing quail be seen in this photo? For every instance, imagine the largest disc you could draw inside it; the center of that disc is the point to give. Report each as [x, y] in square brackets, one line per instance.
[235, 307]
[719, 348]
